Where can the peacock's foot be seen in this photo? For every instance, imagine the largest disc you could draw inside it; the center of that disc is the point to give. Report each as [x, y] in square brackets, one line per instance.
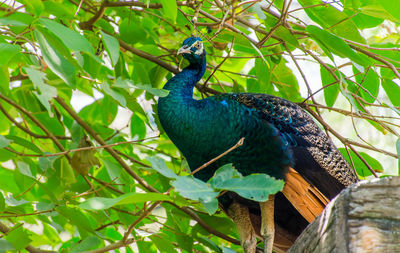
[241, 217]
[267, 223]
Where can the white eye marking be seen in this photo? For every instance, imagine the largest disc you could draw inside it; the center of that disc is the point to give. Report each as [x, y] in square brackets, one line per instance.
[199, 48]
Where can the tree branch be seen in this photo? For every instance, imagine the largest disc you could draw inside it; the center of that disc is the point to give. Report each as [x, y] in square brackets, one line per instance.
[111, 151]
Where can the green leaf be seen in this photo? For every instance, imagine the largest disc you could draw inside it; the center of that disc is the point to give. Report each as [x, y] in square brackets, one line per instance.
[256, 187]
[112, 47]
[336, 45]
[138, 127]
[24, 143]
[284, 79]
[194, 189]
[210, 206]
[392, 91]
[263, 83]
[18, 237]
[158, 165]
[24, 169]
[331, 92]
[100, 203]
[7, 51]
[282, 31]
[370, 82]
[47, 92]
[4, 142]
[363, 21]
[224, 173]
[56, 62]
[170, 9]
[114, 94]
[361, 169]
[70, 38]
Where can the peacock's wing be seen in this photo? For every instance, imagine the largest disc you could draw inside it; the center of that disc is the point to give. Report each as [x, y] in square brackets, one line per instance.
[316, 157]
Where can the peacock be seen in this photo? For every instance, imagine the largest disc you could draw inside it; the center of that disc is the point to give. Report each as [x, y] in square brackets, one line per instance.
[280, 140]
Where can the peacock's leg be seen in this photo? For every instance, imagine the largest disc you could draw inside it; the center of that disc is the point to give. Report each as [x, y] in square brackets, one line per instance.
[267, 223]
[241, 217]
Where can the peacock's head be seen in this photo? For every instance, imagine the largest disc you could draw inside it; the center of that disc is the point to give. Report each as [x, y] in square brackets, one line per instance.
[192, 50]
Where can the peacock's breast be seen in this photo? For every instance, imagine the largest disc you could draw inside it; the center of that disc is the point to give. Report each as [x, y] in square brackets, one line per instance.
[204, 129]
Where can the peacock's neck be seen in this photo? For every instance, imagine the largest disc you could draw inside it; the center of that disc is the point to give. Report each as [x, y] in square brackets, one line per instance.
[179, 112]
[182, 84]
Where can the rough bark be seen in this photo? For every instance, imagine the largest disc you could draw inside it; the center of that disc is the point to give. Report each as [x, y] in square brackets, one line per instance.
[362, 218]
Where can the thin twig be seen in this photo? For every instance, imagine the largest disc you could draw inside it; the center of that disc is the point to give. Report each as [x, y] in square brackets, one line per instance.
[138, 220]
[238, 144]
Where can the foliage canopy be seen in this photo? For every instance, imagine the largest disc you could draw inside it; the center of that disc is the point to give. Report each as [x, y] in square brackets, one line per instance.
[80, 173]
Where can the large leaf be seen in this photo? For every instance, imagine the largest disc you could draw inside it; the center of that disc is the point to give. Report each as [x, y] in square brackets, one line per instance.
[256, 187]
[100, 203]
[24, 143]
[72, 39]
[336, 45]
[159, 165]
[112, 47]
[331, 92]
[392, 90]
[56, 62]
[194, 188]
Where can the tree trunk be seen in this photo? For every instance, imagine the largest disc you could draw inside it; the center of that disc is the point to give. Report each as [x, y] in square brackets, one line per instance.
[362, 218]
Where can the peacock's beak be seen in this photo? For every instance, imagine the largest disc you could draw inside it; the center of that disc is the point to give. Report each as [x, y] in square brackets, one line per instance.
[184, 50]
